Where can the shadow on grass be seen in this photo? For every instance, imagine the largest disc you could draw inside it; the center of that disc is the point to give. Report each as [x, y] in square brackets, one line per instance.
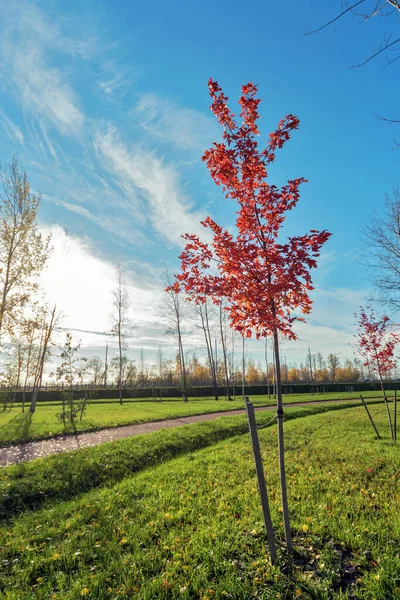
[24, 425]
[67, 475]
[21, 424]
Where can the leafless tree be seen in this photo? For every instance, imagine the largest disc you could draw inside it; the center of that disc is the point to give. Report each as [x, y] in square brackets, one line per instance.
[333, 364]
[173, 317]
[47, 326]
[381, 251]
[205, 314]
[320, 361]
[121, 325]
[95, 368]
[223, 329]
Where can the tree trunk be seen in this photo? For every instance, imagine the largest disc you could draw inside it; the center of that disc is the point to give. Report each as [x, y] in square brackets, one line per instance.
[120, 360]
[243, 368]
[281, 446]
[182, 368]
[266, 365]
[35, 392]
[211, 358]
[387, 405]
[224, 352]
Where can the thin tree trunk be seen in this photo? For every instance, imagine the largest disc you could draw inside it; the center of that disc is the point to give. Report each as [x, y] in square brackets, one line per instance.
[42, 357]
[211, 359]
[233, 365]
[266, 364]
[182, 368]
[6, 283]
[281, 447]
[120, 359]
[223, 342]
[387, 405]
[28, 364]
[243, 368]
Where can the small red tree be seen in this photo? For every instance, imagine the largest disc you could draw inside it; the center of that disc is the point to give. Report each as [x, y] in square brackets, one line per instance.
[262, 280]
[376, 345]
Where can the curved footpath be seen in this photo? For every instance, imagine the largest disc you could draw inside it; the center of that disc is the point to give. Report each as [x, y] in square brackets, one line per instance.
[10, 455]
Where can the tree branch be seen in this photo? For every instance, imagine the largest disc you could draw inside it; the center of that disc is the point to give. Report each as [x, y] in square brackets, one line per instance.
[383, 48]
[350, 8]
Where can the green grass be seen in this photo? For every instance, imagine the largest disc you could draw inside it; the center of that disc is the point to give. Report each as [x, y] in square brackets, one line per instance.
[63, 476]
[17, 427]
[191, 528]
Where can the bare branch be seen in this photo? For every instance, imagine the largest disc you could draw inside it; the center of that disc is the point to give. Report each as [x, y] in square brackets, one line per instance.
[391, 121]
[395, 3]
[349, 9]
[382, 48]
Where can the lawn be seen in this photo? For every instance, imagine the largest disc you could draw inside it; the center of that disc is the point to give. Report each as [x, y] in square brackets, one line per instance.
[191, 527]
[17, 427]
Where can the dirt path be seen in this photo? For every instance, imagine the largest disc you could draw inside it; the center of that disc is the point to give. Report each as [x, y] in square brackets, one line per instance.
[30, 450]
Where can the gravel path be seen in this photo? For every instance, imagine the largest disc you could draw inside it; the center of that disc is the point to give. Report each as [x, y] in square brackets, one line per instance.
[30, 450]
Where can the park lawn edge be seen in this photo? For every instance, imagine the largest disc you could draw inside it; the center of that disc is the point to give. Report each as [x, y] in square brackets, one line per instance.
[132, 421]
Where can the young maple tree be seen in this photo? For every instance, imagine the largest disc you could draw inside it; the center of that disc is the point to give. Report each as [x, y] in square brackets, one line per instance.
[376, 345]
[261, 280]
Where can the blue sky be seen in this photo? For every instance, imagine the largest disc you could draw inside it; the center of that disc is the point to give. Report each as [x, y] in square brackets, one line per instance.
[106, 108]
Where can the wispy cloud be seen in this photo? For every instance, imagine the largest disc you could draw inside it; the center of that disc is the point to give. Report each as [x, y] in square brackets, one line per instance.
[12, 131]
[114, 80]
[187, 129]
[152, 184]
[28, 45]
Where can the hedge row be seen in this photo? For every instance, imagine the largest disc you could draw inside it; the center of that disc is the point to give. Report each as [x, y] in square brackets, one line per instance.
[207, 391]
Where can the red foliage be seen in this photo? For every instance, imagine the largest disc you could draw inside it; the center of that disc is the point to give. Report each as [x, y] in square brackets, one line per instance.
[262, 279]
[376, 343]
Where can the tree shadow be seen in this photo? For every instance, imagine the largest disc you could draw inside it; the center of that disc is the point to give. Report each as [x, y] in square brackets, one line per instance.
[24, 425]
[21, 423]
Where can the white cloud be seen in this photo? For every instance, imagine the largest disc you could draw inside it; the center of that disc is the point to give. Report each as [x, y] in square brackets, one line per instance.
[28, 41]
[142, 175]
[81, 285]
[12, 131]
[187, 129]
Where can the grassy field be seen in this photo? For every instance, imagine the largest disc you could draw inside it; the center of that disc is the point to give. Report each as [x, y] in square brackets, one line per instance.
[18, 427]
[191, 527]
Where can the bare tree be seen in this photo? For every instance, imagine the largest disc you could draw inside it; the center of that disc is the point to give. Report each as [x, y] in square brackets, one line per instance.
[121, 326]
[143, 376]
[23, 251]
[95, 367]
[205, 313]
[333, 365]
[320, 361]
[47, 325]
[381, 251]
[174, 316]
[70, 369]
[223, 329]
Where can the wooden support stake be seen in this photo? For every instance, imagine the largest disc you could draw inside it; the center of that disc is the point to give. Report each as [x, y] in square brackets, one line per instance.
[395, 415]
[370, 418]
[261, 480]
